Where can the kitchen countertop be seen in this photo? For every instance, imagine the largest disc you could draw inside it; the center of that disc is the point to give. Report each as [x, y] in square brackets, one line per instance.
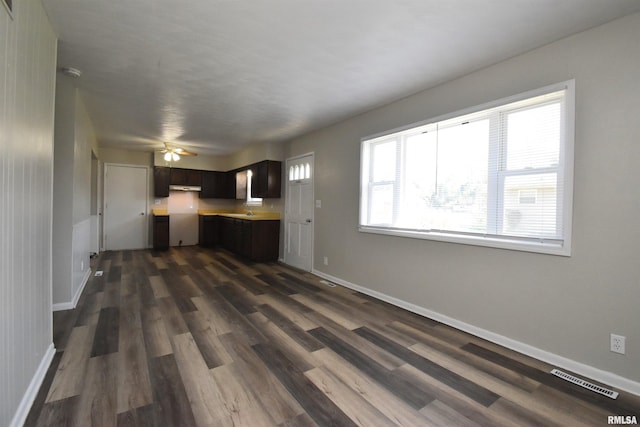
[258, 216]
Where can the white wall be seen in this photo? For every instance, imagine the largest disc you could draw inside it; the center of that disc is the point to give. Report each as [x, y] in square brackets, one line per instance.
[27, 82]
[74, 142]
[63, 182]
[200, 162]
[566, 307]
[255, 153]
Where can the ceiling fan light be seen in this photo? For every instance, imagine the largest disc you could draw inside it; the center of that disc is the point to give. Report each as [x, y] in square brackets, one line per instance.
[167, 157]
[175, 157]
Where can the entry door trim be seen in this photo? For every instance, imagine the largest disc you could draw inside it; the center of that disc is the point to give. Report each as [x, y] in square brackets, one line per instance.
[313, 209]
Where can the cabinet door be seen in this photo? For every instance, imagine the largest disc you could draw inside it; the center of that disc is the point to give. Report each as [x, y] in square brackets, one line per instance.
[161, 180]
[209, 231]
[214, 185]
[266, 180]
[160, 233]
[227, 233]
[179, 176]
[266, 241]
[246, 238]
[194, 177]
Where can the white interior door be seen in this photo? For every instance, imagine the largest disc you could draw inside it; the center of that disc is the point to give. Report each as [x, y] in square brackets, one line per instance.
[299, 213]
[125, 207]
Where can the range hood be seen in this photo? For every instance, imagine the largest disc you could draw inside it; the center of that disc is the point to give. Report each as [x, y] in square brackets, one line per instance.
[185, 188]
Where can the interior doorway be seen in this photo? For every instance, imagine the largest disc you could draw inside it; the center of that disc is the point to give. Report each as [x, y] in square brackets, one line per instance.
[299, 210]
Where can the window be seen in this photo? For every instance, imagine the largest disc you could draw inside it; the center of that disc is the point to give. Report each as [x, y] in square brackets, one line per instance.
[500, 175]
[251, 201]
[300, 172]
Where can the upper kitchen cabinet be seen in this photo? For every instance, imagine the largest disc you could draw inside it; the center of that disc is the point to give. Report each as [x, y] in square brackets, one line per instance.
[186, 176]
[216, 185]
[266, 179]
[161, 181]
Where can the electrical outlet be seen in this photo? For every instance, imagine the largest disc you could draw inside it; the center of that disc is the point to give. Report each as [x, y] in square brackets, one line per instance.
[326, 260]
[618, 343]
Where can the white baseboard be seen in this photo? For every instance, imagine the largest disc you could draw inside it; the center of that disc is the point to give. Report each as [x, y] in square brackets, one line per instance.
[70, 305]
[605, 377]
[34, 386]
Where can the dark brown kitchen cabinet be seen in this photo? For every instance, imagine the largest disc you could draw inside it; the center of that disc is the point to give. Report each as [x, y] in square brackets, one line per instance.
[228, 233]
[265, 240]
[245, 238]
[209, 230]
[257, 240]
[215, 185]
[181, 176]
[164, 176]
[161, 181]
[266, 179]
[161, 232]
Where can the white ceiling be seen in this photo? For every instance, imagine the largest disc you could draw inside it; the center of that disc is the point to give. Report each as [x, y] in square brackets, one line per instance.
[214, 75]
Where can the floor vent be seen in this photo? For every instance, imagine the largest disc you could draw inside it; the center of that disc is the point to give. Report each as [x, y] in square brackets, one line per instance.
[582, 383]
[324, 282]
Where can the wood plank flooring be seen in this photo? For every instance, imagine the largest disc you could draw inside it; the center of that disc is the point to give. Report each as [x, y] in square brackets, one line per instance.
[199, 337]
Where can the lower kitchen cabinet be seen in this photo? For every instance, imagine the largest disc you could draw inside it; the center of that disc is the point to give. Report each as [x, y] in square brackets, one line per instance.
[257, 240]
[265, 240]
[209, 230]
[161, 232]
[228, 233]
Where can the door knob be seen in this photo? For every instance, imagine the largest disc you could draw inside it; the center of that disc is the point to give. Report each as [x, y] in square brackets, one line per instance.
[141, 213]
[308, 220]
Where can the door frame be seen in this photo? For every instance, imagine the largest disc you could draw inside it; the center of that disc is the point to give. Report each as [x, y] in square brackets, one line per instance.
[96, 202]
[313, 208]
[104, 200]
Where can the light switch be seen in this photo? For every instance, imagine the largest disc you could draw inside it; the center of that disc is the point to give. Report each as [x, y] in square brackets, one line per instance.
[318, 203]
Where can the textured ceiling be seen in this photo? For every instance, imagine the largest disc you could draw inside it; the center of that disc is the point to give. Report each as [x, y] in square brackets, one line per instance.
[212, 76]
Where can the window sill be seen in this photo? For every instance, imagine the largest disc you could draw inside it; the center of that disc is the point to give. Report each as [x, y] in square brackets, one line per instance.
[536, 246]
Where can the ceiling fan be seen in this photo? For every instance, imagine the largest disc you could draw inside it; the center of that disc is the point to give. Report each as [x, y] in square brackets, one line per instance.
[174, 153]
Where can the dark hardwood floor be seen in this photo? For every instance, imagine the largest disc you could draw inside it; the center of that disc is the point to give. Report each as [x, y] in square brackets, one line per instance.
[199, 337]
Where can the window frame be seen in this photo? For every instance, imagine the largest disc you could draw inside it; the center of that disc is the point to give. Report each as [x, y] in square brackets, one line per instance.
[251, 201]
[564, 169]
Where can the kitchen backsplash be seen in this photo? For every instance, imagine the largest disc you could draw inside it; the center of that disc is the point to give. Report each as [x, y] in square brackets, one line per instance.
[189, 202]
[182, 202]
